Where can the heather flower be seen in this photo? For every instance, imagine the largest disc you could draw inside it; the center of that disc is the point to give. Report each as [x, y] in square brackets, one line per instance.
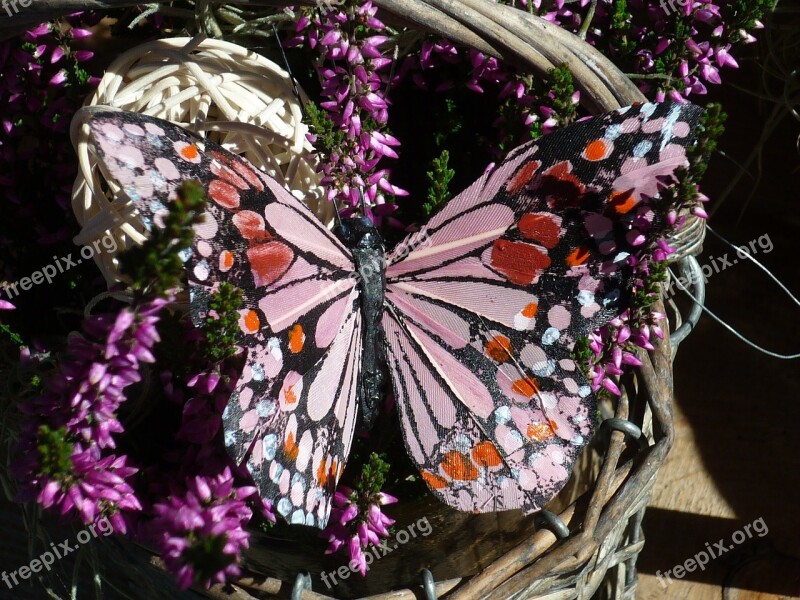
[200, 528]
[349, 131]
[356, 525]
[356, 519]
[64, 440]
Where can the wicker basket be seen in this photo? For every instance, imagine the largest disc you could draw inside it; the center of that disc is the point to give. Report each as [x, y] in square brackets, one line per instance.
[576, 548]
[586, 542]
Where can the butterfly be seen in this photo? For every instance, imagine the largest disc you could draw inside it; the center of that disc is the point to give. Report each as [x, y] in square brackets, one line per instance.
[472, 319]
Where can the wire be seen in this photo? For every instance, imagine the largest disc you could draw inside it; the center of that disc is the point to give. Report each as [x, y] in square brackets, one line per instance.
[745, 254]
[741, 252]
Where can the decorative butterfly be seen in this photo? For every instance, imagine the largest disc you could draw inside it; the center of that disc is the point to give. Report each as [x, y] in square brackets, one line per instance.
[472, 318]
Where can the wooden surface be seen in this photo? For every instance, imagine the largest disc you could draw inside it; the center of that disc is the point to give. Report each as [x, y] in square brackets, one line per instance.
[737, 453]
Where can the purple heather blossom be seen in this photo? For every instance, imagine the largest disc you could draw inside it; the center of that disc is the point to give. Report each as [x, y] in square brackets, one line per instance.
[200, 528]
[39, 70]
[79, 407]
[356, 527]
[349, 66]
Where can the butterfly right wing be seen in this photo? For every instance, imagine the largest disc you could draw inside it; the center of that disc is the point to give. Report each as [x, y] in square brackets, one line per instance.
[292, 414]
[485, 303]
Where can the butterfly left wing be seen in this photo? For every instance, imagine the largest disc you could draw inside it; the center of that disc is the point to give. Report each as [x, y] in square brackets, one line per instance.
[292, 414]
[485, 303]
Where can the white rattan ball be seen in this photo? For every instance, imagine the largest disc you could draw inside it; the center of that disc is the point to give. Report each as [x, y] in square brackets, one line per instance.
[228, 93]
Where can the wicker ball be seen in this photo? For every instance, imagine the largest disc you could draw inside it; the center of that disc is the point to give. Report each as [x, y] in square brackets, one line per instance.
[236, 97]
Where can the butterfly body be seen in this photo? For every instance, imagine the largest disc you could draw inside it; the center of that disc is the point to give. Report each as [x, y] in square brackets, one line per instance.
[366, 244]
[473, 318]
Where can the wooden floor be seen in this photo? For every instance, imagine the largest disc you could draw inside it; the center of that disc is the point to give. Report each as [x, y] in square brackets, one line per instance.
[736, 460]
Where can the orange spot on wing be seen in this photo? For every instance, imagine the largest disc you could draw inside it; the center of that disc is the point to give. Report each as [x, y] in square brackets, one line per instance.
[622, 202]
[458, 466]
[521, 263]
[296, 338]
[252, 322]
[223, 194]
[290, 448]
[596, 150]
[561, 187]
[522, 177]
[189, 152]
[486, 455]
[291, 397]
[578, 256]
[525, 387]
[251, 225]
[268, 262]
[499, 348]
[226, 259]
[539, 432]
[433, 480]
[322, 474]
[540, 228]
[530, 310]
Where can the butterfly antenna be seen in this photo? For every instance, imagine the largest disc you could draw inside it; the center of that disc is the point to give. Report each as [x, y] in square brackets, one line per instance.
[336, 214]
[363, 203]
[395, 54]
[295, 87]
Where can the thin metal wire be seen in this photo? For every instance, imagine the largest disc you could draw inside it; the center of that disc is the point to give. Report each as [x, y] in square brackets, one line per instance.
[690, 268]
[551, 521]
[730, 328]
[301, 583]
[428, 585]
[742, 253]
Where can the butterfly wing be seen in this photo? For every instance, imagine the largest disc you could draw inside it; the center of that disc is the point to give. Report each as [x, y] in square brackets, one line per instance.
[485, 303]
[293, 411]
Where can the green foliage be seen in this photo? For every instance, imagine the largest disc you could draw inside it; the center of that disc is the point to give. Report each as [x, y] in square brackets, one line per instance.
[55, 449]
[646, 295]
[743, 14]
[320, 124]
[709, 131]
[439, 178]
[582, 354]
[222, 330]
[155, 267]
[555, 90]
[452, 123]
[373, 476]
[559, 82]
[620, 28]
[206, 553]
[12, 335]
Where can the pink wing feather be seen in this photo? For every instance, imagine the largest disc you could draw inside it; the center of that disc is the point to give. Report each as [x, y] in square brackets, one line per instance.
[292, 415]
[486, 302]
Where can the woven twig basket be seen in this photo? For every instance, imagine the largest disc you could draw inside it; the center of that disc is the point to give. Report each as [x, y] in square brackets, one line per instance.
[579, 548]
